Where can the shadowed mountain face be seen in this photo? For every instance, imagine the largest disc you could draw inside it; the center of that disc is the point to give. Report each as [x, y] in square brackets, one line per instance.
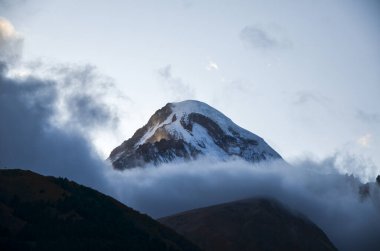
[188, 130]
[253, 224]
[46, 213]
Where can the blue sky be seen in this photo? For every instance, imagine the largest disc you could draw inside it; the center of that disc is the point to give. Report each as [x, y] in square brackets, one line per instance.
[304, 75]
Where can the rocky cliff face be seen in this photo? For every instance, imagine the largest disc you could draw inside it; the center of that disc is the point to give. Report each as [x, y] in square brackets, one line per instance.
[186, 131]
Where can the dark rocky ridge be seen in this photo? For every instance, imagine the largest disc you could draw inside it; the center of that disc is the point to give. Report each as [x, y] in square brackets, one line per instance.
[255, 224]
[170, 135]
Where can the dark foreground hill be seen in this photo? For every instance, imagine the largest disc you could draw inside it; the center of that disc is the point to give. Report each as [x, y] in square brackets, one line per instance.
[253, 224]
[46, 213]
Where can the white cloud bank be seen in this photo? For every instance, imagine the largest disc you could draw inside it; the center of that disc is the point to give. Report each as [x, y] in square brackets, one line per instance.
[318, 190]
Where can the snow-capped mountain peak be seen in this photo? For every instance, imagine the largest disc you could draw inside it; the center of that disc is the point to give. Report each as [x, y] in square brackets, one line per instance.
[185, 131]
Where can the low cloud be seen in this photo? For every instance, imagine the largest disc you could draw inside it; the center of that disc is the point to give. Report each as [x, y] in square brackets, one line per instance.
[175, 85]
[359, 165]
[256, 37]
[316, 189]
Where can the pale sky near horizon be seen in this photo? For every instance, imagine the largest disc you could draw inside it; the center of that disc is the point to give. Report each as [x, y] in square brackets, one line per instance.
[302, 74]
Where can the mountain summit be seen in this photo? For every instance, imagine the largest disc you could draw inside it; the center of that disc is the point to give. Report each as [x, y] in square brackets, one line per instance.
[185, 131]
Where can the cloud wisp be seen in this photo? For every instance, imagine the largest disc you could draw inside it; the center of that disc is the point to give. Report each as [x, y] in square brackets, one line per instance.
[368, 117]
[212, 66]
[317, 190]
[306, 97]
[176, 86]
[255, 37]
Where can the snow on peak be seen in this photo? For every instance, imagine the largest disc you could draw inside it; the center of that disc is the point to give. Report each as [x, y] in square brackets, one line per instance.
[186, 130]
[186, 107]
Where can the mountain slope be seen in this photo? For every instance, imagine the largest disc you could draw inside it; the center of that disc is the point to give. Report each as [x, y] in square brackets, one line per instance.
[46, 213]
[254, 224]
[188, 130]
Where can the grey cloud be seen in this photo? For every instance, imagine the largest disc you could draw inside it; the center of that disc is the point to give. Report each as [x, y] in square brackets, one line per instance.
[32, 135]
[87, 113]
[178, 88]
[166, 72]
[83, 94]
[368, 117]
[47, 117]
[29, 141]
[255, 37]
[329, 199]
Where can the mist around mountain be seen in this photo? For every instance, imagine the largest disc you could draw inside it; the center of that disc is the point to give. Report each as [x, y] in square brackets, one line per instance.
[316, 189]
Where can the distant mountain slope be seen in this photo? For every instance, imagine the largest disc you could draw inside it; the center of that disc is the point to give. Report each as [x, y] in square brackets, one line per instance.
[186, 131]
[46, 213]
[253, 224]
